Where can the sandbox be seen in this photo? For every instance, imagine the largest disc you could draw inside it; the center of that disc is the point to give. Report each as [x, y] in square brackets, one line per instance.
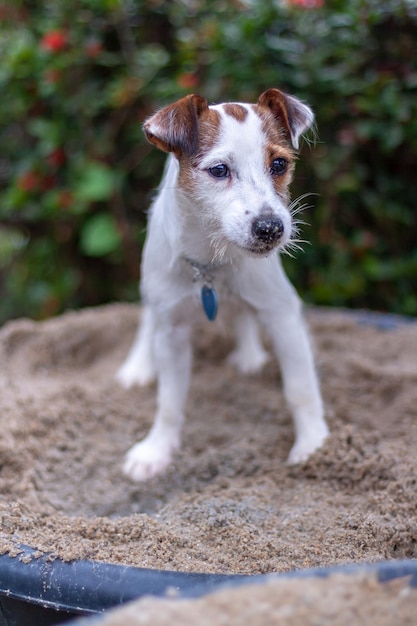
[228, 505]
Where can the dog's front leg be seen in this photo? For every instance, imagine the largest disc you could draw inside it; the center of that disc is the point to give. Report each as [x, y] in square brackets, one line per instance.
[301, 387]
[172, 357]
[265, 287]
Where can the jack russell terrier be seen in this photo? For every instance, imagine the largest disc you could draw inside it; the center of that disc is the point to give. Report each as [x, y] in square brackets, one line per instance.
[221, 214]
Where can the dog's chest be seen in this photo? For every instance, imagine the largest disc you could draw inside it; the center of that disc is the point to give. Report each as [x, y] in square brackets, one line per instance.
[212, 286]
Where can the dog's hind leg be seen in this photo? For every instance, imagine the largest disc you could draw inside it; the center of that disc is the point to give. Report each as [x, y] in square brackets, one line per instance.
[173, 356]
[249, 356]
[138, 368]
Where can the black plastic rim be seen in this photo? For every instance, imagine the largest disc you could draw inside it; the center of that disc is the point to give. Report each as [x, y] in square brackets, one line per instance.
[90, 586]
[384, 571]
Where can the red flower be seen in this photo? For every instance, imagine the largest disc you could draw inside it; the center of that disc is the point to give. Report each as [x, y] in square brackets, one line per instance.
[306, 4]
[187, 80]
[29, 181]
[54, 41]
[56, 158]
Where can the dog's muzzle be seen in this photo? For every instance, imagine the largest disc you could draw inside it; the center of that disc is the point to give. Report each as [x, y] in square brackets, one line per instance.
[267, 230]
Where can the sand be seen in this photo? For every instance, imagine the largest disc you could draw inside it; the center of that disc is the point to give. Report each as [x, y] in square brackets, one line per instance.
[228, 503]
[340, 600]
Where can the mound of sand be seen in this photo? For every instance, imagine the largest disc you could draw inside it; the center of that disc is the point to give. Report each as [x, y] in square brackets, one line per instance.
[228, 503]
[340, 600]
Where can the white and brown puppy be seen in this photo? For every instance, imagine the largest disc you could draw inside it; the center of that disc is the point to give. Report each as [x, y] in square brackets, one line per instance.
[221, 214]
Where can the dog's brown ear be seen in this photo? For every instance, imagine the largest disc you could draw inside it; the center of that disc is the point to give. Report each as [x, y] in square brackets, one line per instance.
[175, 127]
[293, 115]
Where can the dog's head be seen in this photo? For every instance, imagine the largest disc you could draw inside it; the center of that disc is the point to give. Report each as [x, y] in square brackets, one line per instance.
[236, 162]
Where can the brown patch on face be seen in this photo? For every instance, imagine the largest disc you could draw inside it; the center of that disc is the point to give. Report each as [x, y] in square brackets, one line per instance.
[208, 134]
[237, 111]
[271, 127]
[209, 131]
[277, 147]
[281, 181]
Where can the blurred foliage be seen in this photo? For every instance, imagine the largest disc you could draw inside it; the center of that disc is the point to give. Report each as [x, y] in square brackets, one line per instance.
[76, 175]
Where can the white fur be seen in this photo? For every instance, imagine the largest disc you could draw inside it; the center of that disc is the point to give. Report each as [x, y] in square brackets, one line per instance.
[212, 224]
[242, 148]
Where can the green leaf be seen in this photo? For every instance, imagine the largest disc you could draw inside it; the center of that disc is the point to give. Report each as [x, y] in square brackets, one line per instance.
[99, 235]
[11, 242]
[96, 182]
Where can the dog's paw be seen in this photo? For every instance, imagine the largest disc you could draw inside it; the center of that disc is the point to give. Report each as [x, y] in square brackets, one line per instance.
[305, 446]
[147, 459]
[130, 374]
[248, 361]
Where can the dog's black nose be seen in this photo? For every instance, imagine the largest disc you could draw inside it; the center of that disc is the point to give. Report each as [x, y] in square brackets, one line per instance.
[268, 229]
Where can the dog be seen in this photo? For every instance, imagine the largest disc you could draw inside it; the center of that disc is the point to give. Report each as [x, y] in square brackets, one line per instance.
[221, 215]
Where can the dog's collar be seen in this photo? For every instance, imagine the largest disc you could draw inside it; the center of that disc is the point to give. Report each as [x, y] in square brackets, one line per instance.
[204, 273]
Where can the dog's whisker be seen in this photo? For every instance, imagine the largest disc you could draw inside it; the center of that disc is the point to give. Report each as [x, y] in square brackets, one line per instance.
[295, 206]
[299, 223]
[307, 194]
[296, 243]
[294, 246]
[300, 209]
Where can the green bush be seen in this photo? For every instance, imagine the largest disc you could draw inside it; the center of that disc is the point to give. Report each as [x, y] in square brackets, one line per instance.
[76, 175]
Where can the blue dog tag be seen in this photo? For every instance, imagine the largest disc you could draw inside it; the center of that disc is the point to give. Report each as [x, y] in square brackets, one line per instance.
[209, 301]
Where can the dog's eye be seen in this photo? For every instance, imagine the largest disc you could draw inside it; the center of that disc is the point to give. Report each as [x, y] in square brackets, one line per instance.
[219, 171]
[279, 166]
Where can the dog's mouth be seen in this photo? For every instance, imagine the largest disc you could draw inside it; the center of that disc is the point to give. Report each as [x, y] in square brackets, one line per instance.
[261, 248]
